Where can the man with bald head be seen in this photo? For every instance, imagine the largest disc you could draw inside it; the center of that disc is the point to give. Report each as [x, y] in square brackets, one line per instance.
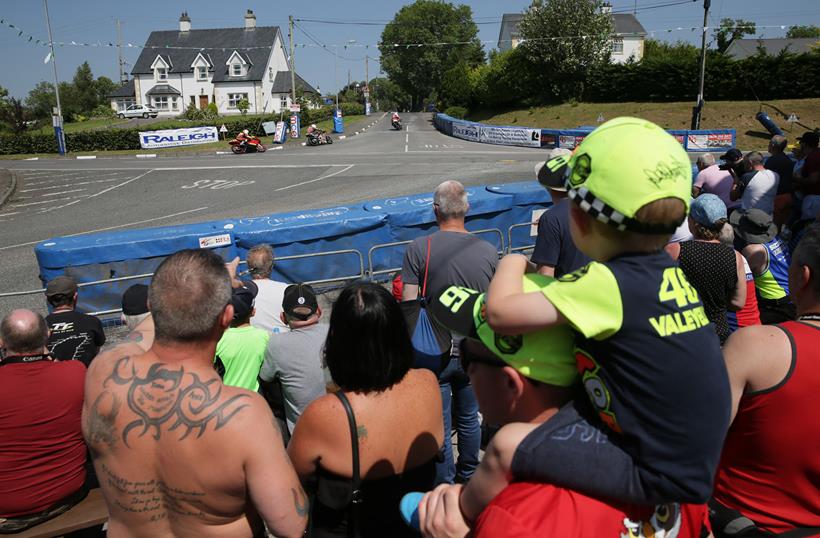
[176, 451]
[456, 257]
[42, 453]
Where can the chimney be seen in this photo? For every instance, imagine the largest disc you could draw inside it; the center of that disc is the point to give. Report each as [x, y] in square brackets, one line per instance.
[606, 7]
[250, 20]
[184, 22]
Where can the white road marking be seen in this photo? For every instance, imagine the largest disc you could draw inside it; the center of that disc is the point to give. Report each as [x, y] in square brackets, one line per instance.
[110, 227]
[48, 201]
[120, 185]
[71, 185]
[63, 192]
[86, 157]
[44, 210]
[10, 214]
[160, 168]
[348, 167]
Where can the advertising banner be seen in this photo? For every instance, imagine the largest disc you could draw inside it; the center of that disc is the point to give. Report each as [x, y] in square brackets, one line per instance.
[466, 131]
[281, 134]
[705, 141]
[570, 141]
[294, 126]
[510, 136]
[169, 138]
[269, 127]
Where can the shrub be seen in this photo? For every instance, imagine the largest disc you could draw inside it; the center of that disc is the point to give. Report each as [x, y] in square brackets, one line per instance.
[243, 105]
[211, 111]
[352, 109]
[193, 113]
[103, 111]
[456, 112]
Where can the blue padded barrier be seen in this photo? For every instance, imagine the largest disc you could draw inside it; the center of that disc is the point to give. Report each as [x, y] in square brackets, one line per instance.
[312, 231]
[410, 217]
[108, 255]
[527, 198]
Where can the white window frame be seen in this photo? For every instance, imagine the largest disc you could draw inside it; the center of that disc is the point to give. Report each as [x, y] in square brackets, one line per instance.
[236, 67]
[618, 45]
[234, 98]
[160, 102]
[283, 102]
[202, 73]
[174, 103]
[123, 104]
[162, 74]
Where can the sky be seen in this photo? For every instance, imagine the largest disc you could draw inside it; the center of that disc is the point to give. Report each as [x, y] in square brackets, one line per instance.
[22, 62]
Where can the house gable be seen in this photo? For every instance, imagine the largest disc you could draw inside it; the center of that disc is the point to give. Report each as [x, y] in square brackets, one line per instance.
[160, 63]
[200, 60]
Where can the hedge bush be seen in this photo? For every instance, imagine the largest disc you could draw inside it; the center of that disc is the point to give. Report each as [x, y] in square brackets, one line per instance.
[456, 112]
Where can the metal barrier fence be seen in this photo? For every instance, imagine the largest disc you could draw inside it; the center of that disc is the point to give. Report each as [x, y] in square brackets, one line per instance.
[510, 248]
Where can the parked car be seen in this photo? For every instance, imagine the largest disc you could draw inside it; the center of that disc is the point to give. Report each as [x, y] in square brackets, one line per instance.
[139, 111]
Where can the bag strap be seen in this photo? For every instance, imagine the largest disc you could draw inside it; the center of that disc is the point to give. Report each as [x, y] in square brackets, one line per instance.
[426, 267]
[356, 494]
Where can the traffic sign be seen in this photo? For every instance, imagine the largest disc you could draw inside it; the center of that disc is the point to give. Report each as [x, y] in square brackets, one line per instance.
[223, 129]
[295, 107]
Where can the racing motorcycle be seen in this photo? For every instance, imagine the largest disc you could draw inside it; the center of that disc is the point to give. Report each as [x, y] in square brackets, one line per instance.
[249, 145]
[396, 125]
[317, 138]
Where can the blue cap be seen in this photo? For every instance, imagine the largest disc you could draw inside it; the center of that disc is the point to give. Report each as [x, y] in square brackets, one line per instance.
[707, 209]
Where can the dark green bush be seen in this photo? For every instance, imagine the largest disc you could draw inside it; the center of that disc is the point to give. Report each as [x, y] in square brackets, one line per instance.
[352, 109]
[456, 112]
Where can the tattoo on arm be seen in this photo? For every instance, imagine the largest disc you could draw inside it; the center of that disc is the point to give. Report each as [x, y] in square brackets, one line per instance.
[100, 422]
[361, 432]
[171, 397]
[300, 501]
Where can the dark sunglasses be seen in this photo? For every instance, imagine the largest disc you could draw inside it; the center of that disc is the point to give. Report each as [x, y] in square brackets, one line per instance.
[484, 357]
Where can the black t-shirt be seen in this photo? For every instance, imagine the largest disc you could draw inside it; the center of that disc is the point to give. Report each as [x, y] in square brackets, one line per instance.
[784, 167]
[74, 336]
[554, 246]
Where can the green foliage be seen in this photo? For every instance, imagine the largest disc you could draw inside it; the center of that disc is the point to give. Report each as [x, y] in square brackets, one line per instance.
[104, 87]
[85, 89]
[419, 71]
[41, 100]
[243, 105]
[388, 94]
[566, 61]
[193, 113]
[211, 111]
[803, 31]
[352, 109]
[103, 111]
[456, 112]
[731, 29]
[14, 114]
[661, 51]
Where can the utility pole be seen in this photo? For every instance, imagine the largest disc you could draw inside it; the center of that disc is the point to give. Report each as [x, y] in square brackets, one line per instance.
[336, 72]
[366, 86]
[57, 120]
[366, 73]
[348, 78]
[292, 62]
[120, 61]
[699, 106]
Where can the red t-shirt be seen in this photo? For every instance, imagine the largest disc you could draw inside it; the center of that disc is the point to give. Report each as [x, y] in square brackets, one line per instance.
[42, 452]
[526, 509]
[771, 458]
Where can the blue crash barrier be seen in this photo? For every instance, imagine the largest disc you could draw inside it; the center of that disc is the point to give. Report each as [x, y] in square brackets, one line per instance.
[410, 217]
[529, 198]
[700, 140]
[347, 232]
[111, 255]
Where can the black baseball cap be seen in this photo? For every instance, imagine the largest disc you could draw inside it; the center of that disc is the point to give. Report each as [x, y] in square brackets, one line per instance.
[242, 299]
[810, 138]
[135, 300]
[552, 173]
[299, 301]
[733, 154]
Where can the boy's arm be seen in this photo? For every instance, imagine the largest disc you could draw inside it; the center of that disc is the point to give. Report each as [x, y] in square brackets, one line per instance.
[511, 311]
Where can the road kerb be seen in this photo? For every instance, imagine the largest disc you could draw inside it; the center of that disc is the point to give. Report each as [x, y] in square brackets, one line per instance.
[4, 196]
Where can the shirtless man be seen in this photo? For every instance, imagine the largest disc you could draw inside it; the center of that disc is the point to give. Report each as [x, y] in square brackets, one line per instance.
[178, 453]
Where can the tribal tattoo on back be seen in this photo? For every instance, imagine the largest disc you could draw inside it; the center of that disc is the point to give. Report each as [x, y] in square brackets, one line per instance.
[173, 398]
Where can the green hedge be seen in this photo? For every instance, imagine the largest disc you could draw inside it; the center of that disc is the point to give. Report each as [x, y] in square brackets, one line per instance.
[128, 139]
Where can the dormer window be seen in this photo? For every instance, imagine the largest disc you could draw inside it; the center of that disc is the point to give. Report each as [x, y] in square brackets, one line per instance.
[237, 65]
[162, 73]
[161, 66]
[236, 70]
[202, 73]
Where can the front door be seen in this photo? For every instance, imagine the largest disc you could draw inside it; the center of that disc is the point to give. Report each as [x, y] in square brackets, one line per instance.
[203, 101]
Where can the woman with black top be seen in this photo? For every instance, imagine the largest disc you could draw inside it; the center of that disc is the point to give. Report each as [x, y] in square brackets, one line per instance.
[394, 410]
[715, 270]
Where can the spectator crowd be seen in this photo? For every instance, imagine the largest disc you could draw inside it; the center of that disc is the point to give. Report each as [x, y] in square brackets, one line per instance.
[648, 372]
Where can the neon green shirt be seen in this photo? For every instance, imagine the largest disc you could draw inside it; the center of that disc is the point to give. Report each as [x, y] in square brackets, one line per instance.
[242, 350]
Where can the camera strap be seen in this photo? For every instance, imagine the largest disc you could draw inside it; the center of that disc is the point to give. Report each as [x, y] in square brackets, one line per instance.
[18, 359]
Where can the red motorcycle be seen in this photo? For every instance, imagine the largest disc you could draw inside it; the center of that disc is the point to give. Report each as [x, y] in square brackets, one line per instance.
[251, 144]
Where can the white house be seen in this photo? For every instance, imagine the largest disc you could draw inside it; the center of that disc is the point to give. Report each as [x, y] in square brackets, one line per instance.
[627, 38]
[178, 68]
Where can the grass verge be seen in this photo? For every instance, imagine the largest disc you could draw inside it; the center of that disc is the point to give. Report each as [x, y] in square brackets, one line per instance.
[738, 115]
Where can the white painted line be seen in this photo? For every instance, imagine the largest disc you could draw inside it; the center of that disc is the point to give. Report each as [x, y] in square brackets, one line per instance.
[277, 147]
[304, 143]
[86, 156]
[342, 137]
[224, 152]
[63, 192]
[120, 185]
[146, 155]
[161, 168]
[110, 227]
[48, 201]
[71, 185]
[315, 180]
[407, 138]
[10, 214]
[406, 148]
[33, 159]
[56, 207]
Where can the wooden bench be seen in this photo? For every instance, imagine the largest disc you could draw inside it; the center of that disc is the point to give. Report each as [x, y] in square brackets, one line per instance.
[87, 513]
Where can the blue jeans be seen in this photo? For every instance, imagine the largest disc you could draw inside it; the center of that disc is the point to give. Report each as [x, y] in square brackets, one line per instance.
[458, 399]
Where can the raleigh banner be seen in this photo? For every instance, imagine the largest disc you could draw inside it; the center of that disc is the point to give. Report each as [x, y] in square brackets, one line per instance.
[510, 136]
[466, 131]
[170, 138]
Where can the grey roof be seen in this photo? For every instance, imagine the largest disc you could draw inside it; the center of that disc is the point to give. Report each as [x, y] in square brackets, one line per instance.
[627, 24]
[126, 90]
[281, 84]
[216, 45]
[623, 23]
[163, 89]
[743, 48]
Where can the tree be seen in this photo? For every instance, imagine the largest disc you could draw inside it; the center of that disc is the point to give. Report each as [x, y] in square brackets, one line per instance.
[41, 100]
[85, 90]
[731, 29]
[798, 31]
[661, 51]
[424, 41]
[15, 114]
[388, 94]
[551, 40]
[104, 87]
[243, 105]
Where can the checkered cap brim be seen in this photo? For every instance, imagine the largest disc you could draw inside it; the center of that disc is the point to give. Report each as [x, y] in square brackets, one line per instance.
[601, 211]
